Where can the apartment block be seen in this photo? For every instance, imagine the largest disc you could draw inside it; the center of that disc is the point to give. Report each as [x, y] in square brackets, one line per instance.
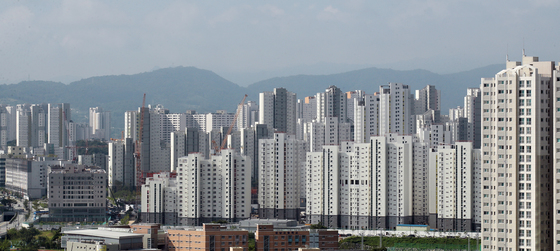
[277, 109]
[282, 159]
[159, 199]
[215, 188]
[395, 109]
[517, 146]
[120, 163]
[100, 123]
[456, 183]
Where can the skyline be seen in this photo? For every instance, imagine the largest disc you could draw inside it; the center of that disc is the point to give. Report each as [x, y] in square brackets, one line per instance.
[247, 40]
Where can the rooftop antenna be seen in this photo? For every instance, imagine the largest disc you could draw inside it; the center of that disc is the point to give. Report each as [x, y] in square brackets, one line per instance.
[523, 46]
[507, 52]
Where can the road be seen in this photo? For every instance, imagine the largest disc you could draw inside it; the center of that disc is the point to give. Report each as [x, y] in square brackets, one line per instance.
[16, 223]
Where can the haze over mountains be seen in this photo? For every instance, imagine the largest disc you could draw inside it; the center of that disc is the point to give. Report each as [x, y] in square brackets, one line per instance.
[190, 88]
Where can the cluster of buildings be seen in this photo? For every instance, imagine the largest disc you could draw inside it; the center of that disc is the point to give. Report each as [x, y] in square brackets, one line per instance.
[346, 160]
[207, 237]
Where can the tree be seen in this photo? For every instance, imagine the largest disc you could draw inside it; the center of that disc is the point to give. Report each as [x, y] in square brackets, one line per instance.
[8, 202]
[125, 219]
[319, 225]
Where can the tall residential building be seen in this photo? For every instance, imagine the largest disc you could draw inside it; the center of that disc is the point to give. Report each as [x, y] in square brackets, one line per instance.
[472, 112]
[100, 123]
[277, 109]
[120, 163]
[455, 182]
[517, 146]
[332, 103]
[280, 172]
[31, 125]
[191, 140]
[352, 98]
[427, 99]
[159, 199]
[77, 193]
[59, 116]
[215, 188]
[395, 109]
[366, 117]
[248, 115]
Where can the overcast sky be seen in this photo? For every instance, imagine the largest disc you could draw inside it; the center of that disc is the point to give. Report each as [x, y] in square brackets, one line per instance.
[43, 40]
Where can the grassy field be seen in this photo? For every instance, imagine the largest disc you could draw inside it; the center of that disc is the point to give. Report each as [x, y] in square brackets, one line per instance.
[408, 242]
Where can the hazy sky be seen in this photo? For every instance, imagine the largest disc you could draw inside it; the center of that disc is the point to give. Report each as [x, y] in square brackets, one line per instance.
[49, 39]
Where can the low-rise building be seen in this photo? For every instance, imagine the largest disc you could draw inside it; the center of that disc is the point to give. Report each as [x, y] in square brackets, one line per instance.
[268, 238]
[210, 237]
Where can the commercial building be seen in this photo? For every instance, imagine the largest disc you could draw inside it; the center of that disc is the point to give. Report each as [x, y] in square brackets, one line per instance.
[77, 193]
[111, 240]
[268, 238]
[28, 177]
[210, 237]
[518, 157]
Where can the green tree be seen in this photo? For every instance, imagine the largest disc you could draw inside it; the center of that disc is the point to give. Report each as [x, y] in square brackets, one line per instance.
[319, 225]
[125, 219]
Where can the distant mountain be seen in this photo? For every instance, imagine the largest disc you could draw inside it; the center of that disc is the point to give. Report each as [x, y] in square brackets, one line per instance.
[190, 88]
[178, 89]
[453, 86]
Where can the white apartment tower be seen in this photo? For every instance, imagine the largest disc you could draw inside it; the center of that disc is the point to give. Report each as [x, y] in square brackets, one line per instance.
[366, 117]
[120, 163]
[100, 123]
[517, 201]
[159, 199]
[395, 109]
[472, 112]
[280, 172]
[332, 103]
[213, 189]
[428, 98]
[455, 181]
[369, 185]
[277, 110]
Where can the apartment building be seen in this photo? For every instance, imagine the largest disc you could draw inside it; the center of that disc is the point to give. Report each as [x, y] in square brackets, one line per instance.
[159, 199]
[456, 185]
[280, 173]
[77, 193]
[100, 123]
[395, 109]
[120, 163]
[215, 188]
[277, 109]
[517, 146]
[332, 103]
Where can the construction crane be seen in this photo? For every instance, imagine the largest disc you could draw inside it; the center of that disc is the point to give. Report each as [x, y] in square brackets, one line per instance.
[239, 108]
[215, 146]
[139, 173]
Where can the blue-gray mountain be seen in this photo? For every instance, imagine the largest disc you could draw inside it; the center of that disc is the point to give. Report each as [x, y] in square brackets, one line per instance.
[189, 88]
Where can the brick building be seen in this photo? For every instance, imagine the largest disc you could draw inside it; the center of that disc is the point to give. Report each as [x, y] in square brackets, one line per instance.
[210, 237]
[269, 239]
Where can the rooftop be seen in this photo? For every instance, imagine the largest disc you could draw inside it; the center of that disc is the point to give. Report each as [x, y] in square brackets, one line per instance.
[104, 234]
